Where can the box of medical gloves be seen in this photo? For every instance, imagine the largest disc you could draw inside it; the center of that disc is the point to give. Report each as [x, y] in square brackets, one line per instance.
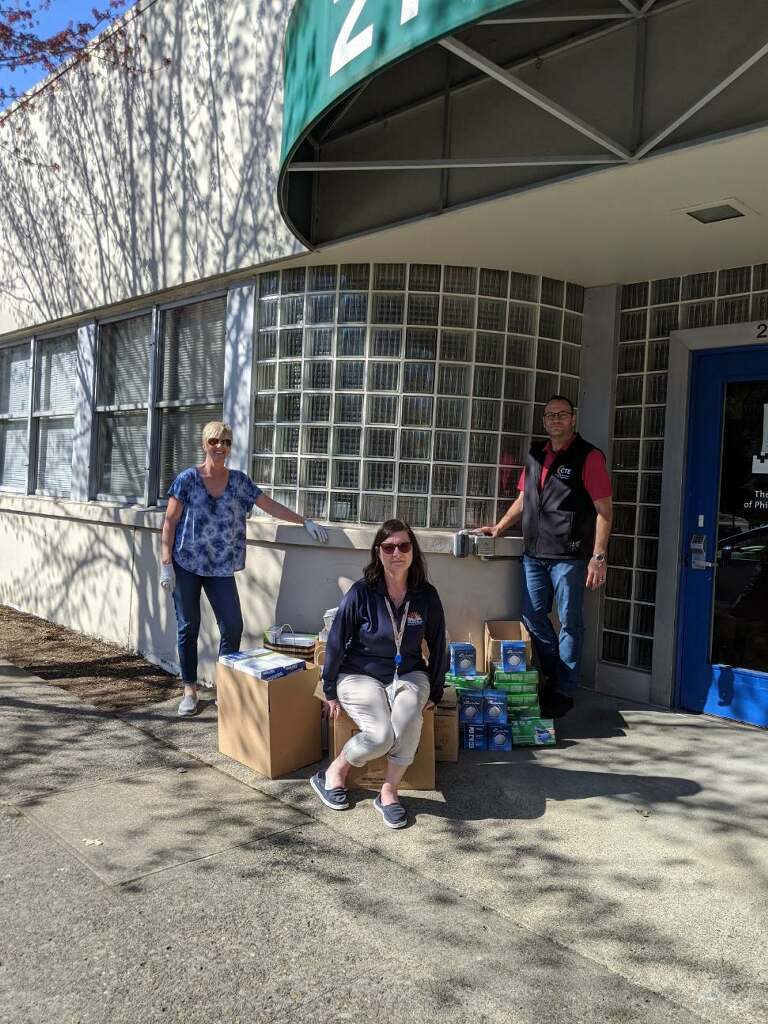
[270, 725]
[533, 732]
[517, 682]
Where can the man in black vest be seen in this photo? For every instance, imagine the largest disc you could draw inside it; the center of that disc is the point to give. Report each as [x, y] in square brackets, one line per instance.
[566, 506]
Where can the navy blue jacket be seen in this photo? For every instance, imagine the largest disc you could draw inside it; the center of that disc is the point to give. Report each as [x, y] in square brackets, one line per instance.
[361, 638]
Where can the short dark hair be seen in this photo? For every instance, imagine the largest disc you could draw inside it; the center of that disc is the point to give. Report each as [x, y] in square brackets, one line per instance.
[560, 398]
[374, 571]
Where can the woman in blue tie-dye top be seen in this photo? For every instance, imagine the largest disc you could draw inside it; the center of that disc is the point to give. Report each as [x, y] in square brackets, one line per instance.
[203, 546]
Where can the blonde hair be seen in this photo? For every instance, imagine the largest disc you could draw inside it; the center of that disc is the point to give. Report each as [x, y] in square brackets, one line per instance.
[216, 429]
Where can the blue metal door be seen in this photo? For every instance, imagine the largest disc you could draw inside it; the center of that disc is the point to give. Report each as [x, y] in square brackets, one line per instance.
[723, 641]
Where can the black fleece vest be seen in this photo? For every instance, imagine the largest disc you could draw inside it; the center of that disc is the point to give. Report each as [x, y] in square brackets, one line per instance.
[558, 520]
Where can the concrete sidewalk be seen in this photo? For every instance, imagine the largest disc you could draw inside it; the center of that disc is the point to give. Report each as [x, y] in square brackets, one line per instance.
[622, 876]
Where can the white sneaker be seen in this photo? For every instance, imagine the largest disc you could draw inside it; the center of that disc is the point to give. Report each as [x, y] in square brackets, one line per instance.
[188, 707]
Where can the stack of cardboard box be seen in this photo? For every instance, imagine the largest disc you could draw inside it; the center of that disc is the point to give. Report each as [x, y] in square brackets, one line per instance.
[499, 708]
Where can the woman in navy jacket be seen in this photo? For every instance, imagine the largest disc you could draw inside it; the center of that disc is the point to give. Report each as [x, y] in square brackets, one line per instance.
[375, 671]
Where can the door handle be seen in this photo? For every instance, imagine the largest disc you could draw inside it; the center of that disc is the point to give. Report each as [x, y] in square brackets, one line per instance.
[698, 552]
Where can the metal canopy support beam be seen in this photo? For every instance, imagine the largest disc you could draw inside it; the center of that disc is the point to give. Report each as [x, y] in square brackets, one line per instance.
[533, 19]
[688, 114]
[647, 6]
[439, 163]
[630, 6]
[508, 80]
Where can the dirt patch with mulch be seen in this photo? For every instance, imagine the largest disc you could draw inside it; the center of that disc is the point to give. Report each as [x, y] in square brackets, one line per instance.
[103, 674]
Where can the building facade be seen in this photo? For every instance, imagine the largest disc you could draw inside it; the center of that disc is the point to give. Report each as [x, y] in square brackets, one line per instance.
[376, 238]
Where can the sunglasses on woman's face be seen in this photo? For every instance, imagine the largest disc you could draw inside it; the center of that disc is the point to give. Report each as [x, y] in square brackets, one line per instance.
[391, 548]
[226, 441]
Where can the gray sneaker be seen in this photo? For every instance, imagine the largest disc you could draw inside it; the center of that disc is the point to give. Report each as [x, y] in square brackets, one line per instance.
[188, 707]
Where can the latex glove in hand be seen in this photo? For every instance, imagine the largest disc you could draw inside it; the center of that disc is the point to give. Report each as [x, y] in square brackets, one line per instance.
[167, 577]
[316, 532]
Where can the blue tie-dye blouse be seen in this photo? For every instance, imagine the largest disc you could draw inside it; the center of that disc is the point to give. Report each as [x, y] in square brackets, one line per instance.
[210, 535]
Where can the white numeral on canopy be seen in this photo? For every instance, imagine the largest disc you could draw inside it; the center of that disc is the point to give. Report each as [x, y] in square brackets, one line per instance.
[348, 46]
[409, 11]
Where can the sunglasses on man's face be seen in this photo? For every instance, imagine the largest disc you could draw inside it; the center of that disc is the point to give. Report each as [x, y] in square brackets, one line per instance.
[226, 441]
[391, 548]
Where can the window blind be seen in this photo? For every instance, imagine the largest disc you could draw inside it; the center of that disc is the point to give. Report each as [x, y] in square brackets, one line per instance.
[122, 455]
[14, 453]
[57, 375]
[193, 351]
[14, 380]
[181, 440]
[124, 349]
[54, 456]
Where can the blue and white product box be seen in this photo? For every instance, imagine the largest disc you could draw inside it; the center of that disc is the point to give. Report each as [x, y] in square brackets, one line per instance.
[463, 659]
[513, 656]
[499, 737]
[474, 737]
[494, 707]
[471, 707]
[268, 665]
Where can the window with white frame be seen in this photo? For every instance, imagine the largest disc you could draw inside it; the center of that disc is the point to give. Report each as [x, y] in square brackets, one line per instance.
[53, 411]
[191, 384]
[122, 397]
[14, 421]
[408, 389]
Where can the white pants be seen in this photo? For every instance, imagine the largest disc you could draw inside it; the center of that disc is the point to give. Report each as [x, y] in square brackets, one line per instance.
[389, 718]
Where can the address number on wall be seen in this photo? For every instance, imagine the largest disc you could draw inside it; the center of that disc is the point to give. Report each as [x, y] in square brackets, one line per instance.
[762, 330]
[353, 40]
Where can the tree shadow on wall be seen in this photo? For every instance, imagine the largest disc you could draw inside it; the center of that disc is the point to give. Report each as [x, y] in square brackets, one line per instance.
[165, 174]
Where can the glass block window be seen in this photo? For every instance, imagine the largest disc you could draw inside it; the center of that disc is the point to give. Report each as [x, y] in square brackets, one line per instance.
[406, 389]
[650, 310]
[15, 373]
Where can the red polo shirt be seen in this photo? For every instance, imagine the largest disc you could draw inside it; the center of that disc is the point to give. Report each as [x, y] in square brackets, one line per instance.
[594, 474]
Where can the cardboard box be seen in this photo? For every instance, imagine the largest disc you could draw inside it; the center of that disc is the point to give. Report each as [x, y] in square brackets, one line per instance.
[497, 630]
[270, 725]
[420, 774]
[447, 733]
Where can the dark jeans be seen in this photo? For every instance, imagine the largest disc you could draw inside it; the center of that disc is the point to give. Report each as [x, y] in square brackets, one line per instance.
[545, 580]
[222, 595]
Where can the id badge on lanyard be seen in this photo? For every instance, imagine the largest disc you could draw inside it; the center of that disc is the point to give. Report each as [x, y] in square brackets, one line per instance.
[398, 633]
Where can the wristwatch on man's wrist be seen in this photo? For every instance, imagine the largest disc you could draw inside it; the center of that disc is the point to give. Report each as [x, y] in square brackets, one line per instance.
[599, 558]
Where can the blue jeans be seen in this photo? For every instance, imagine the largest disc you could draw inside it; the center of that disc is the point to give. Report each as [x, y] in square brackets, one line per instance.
[222, 595]
[544, 580]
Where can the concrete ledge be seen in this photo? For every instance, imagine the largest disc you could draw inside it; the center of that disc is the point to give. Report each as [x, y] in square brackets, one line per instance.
[260, 529]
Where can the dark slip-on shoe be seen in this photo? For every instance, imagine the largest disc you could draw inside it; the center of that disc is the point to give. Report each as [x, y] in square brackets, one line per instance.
[394, 815]
[337, 798]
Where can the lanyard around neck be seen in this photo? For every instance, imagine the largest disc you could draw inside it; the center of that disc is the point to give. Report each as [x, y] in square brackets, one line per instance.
[397, 631]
